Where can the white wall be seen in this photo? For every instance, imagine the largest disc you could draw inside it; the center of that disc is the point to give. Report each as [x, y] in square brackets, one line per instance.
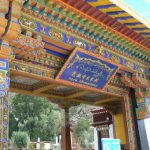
[95, 139]
[111, 131]
[147, 127]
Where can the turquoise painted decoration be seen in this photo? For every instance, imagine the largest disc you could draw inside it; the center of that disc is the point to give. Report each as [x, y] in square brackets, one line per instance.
[111, 144]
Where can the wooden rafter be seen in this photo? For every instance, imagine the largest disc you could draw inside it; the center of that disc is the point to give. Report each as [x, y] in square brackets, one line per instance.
[42, 89]
[53, 81]
[49, 96]
[107, 100]
[81, 101]
[78, 94]
[36, 94]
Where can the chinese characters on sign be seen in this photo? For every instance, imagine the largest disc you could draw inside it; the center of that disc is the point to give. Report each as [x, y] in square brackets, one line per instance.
[83, 68]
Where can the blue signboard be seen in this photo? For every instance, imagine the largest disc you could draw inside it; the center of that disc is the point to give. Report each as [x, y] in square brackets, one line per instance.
[111, 144]
[87, 70]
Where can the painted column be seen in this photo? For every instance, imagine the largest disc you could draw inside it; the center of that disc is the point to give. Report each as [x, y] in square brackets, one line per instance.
[4, 78]
[5, 56]
[10, 11]
[136, 109]
[65, 130]
[135, 117]
[132, 141]
[142, 112]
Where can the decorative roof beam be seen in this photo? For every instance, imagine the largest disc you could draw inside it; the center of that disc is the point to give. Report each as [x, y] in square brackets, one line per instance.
[76, 27]
[45, 88]
[36, 94]
[106, 100]
[49, 96]
[78, 94]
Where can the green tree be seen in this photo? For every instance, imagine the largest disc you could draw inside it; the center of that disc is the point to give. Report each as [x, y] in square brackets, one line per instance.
[13, 124]
[82, 132]
[36, 116]
[81, 117]
[20, 139]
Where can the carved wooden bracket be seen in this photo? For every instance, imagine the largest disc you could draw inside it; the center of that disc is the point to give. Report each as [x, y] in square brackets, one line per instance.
[5, 51]
[17, 8]
[140, 81]
[10, 12]
[4, 6]
[30, 46]
[135, 81]
[139, 93]
[147, 94]
[128, 81]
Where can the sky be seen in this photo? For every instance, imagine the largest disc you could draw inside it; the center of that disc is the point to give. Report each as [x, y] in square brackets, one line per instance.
[141, 6]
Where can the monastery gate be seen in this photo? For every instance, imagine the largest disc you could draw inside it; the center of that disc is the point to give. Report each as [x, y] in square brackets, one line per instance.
[95, 52]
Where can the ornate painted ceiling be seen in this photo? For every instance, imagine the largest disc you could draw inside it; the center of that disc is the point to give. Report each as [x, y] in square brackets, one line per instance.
[51, 30]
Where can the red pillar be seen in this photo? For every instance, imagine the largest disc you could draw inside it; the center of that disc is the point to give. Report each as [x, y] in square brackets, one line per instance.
[65, 130]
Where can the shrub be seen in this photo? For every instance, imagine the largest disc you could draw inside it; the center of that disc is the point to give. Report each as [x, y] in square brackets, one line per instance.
[20, 139]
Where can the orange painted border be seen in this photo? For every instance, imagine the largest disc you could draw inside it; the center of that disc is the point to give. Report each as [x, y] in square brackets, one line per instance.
[78, 85]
